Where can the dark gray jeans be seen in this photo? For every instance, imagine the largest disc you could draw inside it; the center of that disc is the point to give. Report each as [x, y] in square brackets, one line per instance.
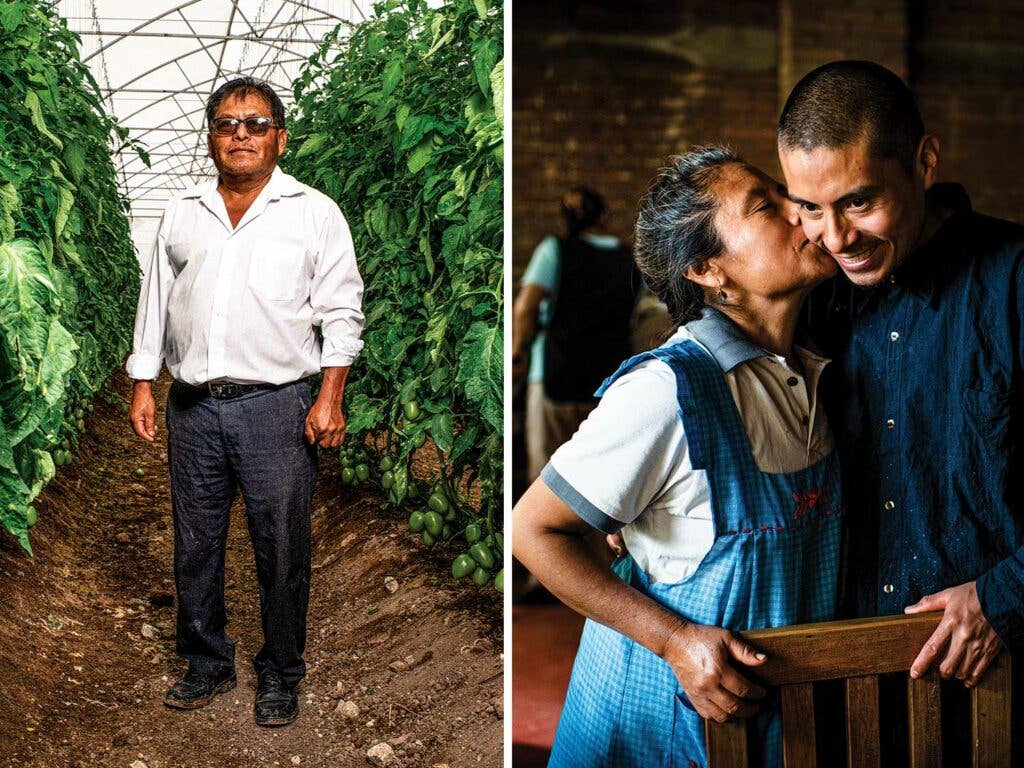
[255, 442]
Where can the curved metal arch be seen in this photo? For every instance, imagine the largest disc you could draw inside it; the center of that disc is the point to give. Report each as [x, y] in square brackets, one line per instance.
[201, 83]
[184, 56]
[177, 8]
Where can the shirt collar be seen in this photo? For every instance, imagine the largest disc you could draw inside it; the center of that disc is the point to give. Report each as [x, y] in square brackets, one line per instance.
[280, 185]
[920, 274]
[723, 339]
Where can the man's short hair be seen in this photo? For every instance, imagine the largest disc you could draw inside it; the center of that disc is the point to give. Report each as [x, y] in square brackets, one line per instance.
[241, 87]
[836, 104]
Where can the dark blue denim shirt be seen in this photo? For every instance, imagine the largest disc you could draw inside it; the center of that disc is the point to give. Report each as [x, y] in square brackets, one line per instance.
[925, 399]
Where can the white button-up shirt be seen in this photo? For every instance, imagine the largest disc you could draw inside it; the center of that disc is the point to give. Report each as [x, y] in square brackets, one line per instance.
[240, 304]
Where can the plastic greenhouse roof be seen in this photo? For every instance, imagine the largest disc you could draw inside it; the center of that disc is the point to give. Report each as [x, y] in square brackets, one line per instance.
[157, 62]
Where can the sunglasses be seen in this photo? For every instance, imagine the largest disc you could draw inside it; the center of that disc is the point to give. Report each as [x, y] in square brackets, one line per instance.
[254, 126]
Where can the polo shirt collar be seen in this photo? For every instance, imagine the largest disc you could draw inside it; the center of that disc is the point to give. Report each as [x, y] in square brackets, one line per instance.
[723, 339]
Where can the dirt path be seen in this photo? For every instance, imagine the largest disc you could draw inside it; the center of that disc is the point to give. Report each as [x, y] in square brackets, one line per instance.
[82, 686]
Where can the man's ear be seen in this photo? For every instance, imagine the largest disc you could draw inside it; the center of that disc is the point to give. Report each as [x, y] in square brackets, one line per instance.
[927, 159]
[282, 140]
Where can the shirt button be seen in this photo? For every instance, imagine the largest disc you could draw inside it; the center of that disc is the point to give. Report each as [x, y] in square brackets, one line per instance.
[894, 336]
[792, 381]
[890, 505]
[887, 589]
[890, 423]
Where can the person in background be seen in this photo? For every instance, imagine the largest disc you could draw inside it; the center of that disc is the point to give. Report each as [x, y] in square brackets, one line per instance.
[570, 323]
[713, 458]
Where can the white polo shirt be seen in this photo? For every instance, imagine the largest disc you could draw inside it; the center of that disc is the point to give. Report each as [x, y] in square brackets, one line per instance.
[628, 465]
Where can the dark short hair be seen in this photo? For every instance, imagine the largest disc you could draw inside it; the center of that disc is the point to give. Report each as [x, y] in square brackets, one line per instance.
[241, 87]
[836, 104]
[582, 214]
[675, 228]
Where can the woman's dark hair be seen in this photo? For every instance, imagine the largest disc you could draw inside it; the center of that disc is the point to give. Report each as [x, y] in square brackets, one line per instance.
[241, 87]
[582, 208]
[675, 228]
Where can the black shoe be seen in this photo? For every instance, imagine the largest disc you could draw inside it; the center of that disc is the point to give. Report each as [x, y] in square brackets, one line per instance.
[276, 701]
[197, 689]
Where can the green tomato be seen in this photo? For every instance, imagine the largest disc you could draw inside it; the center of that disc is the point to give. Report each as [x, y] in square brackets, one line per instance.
[472, 533]
[411, 410]
[362, 472]
[33, 516]
[482, 554]
[387, 479]
[481, 576]
[446, 531]
[348, 476]
[79, 413]
[416, 522]
[429, 539]
[140, 472]
[80, 425]
[414, 490]
[386, 464]
[438, 503]
[499, 541]
[433, 523]
[463, 566]
[499, 580]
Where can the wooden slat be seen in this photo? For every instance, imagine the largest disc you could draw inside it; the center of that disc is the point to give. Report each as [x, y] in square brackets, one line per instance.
[924, 717]
[862, 749]
[727, 744]
[834, 649]
[799, 749]
[990, 715]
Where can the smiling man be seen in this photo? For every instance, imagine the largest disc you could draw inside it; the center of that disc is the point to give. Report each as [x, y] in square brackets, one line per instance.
[927, 334]
[244, 269]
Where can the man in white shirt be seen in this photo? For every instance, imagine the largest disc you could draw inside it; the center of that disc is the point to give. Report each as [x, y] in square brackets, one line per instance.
[244, 267]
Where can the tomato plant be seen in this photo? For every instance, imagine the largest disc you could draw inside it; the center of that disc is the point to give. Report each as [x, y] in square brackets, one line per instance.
[68, 274]
[404, 129]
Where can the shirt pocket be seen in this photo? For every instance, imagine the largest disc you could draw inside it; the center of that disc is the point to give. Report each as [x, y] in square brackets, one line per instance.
[277, 271]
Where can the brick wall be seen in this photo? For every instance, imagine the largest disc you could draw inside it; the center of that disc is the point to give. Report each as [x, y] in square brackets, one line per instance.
[603, 91]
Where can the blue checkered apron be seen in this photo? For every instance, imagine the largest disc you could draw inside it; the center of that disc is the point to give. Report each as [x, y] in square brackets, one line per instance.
[774, 562]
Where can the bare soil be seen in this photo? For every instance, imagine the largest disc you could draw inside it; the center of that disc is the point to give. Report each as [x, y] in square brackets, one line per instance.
[81, 686]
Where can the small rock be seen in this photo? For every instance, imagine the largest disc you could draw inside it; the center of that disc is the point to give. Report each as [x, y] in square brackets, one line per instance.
[348, 540]
[150, 632]
[123, 538]
[138, 488]
[391, 584]
[398, 666]
[347, 709]
[296, 759]
[138, 764]
[158, 658]
[381, 754]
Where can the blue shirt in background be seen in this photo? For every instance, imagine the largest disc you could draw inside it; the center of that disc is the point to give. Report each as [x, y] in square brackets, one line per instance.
[543, 270]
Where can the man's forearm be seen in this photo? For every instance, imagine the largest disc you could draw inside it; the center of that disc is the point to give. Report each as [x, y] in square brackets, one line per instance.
[333, 386]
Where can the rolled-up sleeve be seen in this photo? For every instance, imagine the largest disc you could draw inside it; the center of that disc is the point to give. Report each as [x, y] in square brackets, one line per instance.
[151, 314]
[337, 293]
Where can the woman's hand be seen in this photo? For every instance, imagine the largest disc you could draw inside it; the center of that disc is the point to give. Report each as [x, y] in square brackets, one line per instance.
[703, 658]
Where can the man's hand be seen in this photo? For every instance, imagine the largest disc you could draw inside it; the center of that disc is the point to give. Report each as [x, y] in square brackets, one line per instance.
[973, 644]
[142, 414]
[325, 423]
[702, 658]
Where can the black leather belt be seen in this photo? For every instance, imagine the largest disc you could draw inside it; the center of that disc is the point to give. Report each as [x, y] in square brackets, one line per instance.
[227, 389]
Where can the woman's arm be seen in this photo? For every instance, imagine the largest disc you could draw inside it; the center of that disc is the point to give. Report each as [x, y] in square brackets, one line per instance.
[553, 543]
